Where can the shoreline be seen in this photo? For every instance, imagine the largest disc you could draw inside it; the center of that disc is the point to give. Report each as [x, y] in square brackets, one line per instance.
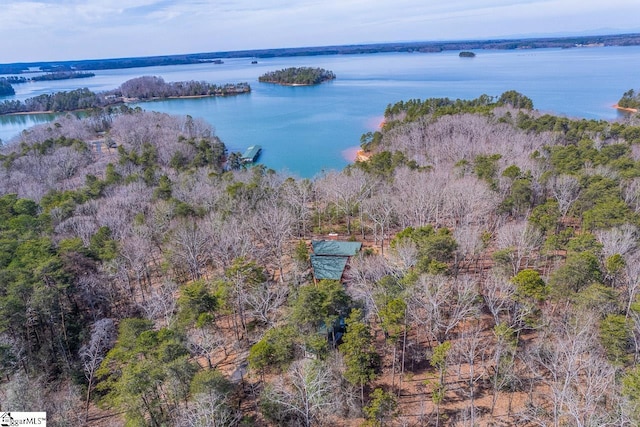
[362, 156]
[126, 101]
[355, 154]
[625, 109]
[291, 84]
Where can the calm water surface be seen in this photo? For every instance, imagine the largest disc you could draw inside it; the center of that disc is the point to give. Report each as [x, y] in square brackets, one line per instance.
[305, 130]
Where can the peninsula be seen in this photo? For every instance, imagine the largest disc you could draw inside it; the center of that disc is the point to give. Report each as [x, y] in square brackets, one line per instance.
[629, 102]
[141, 88]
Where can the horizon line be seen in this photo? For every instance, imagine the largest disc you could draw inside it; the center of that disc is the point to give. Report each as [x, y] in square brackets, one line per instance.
[318, 48]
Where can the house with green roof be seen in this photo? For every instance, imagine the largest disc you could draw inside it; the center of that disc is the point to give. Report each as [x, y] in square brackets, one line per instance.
[330, 257]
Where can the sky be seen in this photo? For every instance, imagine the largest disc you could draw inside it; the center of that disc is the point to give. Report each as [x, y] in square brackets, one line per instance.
[57, 30]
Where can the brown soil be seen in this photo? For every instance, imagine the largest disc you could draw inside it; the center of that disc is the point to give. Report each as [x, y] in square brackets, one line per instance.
[628, 110]
[362, 156]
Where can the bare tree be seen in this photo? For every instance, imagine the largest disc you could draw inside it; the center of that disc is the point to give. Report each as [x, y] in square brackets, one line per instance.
[190, 247]
[273, 226]
[103, 335]
[198, 189]
[345, 190]
[439, 304]
[622, 240]
[160, 305]
[631, 193]
[209, 409]
[381, 212]
[204, 341]
[13, 355]
[299, 196]
[469, 350]
[263, 301]
[22, 393]
[470, 245]
[417, 196]
[363, 274]
[631, 286]
[231, 239]
[136, 252]
[568, 363]
[405, 254]
[566, 190]
[522, 241]
[468, 200]
[498, 293]
[307, 394]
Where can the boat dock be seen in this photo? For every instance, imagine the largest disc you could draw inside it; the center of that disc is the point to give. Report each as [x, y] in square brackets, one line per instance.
[252, 153]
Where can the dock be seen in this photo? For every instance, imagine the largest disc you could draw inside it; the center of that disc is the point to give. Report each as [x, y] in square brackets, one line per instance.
[252, 153]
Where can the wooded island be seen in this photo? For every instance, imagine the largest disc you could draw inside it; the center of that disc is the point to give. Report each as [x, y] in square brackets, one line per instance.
[303, 76]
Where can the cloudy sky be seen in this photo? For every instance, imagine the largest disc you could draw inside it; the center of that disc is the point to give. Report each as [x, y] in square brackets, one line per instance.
[48, 30]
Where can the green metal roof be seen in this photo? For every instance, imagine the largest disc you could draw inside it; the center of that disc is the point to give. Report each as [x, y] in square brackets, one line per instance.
[252, 153]
[328, 267]
[335, 247]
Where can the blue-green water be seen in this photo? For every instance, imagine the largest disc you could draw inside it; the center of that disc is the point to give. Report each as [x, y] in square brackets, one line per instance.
[305, 130]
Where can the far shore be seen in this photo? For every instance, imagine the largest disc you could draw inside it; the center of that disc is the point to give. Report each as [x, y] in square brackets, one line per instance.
[291, 84]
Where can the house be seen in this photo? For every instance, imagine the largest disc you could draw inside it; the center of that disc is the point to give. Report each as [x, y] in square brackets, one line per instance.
[333, 335]
[330, 257]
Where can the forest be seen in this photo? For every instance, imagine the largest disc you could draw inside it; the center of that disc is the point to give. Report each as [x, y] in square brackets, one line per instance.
[149, 280]
[139, 88]
[298, 76]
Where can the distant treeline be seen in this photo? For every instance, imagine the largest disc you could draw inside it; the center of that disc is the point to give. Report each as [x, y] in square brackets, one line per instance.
[62, 75]
[298, 76]
[530, 43]
[6, 88]
[147, 87]
[14, 79]
[105, 64]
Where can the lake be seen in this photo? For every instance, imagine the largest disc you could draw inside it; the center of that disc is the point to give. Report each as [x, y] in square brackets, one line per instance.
[305, 130]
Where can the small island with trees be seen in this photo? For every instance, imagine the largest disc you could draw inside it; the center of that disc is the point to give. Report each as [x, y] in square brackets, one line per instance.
[300, 76]
[467, 54]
